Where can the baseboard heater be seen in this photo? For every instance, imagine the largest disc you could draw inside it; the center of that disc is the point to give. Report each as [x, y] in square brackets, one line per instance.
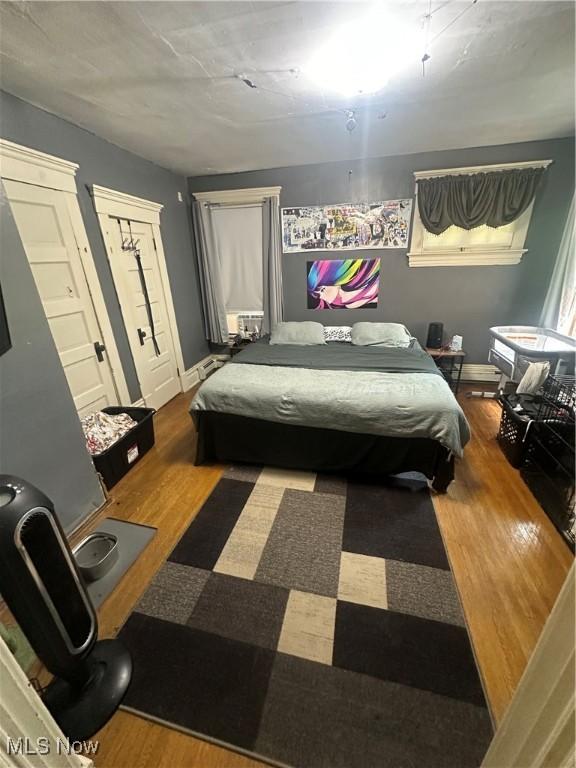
[206, 368]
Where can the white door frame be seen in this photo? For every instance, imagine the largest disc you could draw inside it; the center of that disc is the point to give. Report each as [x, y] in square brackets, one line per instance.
[19, 163]
[23, 716]
[112, 204]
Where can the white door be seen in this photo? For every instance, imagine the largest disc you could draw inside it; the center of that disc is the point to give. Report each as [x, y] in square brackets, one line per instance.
[151, 342]
[46, 232]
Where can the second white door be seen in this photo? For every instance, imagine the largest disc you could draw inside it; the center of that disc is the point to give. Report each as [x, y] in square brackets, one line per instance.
[143, 306]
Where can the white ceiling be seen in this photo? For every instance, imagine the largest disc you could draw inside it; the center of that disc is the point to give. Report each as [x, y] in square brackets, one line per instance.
[158, 78]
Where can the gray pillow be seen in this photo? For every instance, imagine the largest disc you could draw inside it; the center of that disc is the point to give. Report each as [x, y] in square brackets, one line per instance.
[380, 335]
[304, 334]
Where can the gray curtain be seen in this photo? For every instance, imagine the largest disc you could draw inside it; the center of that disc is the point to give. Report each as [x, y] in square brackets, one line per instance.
[214, 311]
[467, 201]
[272, 254]
[558, 309]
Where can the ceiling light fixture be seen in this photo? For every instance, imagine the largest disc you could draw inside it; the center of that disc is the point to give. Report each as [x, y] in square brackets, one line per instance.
[361, 57]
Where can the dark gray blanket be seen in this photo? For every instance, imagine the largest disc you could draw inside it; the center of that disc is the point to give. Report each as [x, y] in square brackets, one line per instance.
[339, 357]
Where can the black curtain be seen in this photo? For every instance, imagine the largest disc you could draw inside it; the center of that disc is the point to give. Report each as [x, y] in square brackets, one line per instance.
[467, 201]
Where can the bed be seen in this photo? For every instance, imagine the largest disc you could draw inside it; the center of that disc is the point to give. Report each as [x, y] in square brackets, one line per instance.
[332, 407]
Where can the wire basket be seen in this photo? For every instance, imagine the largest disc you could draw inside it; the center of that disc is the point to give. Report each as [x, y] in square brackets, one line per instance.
[557, 408]
[562, 391]
[514, 428]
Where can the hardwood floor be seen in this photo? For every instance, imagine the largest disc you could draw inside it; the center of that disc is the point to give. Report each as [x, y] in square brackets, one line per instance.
[508, 560]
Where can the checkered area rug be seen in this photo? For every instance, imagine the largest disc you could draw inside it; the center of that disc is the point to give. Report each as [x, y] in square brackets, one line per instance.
[313, 621]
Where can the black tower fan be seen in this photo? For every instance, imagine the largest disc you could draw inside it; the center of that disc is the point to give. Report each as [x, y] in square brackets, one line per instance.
[42, 586]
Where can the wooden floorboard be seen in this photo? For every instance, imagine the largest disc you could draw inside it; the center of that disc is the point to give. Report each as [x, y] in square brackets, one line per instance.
[508, 560]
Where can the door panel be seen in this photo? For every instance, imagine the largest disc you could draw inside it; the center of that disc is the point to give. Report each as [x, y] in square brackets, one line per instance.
[157, 373]
[44, 225]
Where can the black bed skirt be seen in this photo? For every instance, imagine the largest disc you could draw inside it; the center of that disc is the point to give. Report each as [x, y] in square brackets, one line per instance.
[224, 437]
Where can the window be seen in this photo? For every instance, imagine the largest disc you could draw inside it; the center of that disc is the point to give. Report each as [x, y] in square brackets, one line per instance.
[567, 320]
[244, 323]
[481, 246]
[236, 221]
[238, 241]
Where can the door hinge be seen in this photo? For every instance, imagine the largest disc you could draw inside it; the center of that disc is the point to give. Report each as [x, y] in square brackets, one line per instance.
[154, 242]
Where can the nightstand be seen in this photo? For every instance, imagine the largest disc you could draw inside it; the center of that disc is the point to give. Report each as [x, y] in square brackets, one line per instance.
[238, 346]
[449, 364]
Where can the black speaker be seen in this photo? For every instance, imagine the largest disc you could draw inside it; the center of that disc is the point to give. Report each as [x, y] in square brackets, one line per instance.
[435, 335]
[43, 588]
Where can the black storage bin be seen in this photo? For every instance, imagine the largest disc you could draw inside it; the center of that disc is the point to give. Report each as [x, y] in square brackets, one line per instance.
[549, 467]
[115, 462]
[548, 471]
[514, 427]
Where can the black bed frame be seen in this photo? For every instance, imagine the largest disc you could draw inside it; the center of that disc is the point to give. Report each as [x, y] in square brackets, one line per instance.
[224, 437]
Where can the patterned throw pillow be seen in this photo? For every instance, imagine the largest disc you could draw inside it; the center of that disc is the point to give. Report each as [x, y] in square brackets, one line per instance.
[337, 333]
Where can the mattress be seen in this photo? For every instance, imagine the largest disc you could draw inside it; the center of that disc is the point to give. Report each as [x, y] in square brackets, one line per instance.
[391, 392]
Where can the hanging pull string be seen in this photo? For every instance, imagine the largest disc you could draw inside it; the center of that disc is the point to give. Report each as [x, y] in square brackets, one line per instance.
[130, 245]
[428, 20]
[454, 20]
[439, 7]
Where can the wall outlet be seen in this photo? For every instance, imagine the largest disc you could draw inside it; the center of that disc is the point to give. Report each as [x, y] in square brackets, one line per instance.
[180, 198]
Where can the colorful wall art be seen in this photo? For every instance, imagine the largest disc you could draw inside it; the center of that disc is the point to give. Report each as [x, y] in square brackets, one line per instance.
[352, 226]
[343, 283]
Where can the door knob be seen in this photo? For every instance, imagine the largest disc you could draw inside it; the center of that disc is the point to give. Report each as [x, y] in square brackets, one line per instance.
[99, 348]
[141, 336]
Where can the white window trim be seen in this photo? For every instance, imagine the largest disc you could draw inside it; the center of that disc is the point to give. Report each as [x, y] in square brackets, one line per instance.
[243, 312]
[238, 196]
[468, 257]
[111, 203]
[472, 169]
[20, 163]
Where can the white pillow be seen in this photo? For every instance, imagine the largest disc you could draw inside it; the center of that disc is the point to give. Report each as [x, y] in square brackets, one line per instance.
[338, 333]
[380, 335]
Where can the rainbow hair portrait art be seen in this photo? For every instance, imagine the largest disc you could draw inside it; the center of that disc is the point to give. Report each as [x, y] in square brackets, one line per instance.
[343, 283]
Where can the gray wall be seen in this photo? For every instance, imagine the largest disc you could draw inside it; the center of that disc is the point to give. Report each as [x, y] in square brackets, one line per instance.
[109, 166]
[40, 435]
[467, 299]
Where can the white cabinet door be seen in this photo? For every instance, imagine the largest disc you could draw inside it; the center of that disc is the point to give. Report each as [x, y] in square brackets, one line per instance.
[156, 367]
[46, 232]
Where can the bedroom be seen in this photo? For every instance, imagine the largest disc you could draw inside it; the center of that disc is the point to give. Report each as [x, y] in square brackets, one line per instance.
[176, 177]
